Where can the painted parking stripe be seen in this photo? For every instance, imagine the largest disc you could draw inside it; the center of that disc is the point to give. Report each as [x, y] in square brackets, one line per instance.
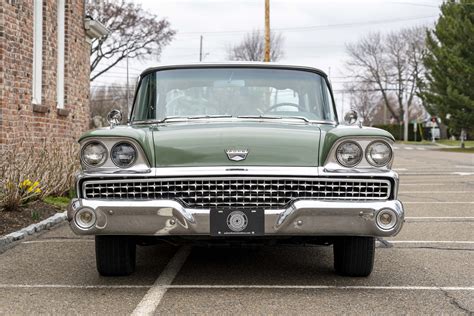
[71, 286]
[241, 286]
[454, 242]
[440, 219]
[436, 173]
[40, 241]
[438, 202]
[326, 287]
[437, 192]
[153, 297]
[431, 184]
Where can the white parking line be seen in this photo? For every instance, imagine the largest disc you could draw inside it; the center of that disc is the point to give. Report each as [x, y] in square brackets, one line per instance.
[463, 173]
[438, 202]
[155, 294]
[242, 286]
[457, 242]
[440, 218]
[70, 286]
[326, 287]
[438, 192]
[436, 173]
[40, 241]
[428, 184]
[408, 148]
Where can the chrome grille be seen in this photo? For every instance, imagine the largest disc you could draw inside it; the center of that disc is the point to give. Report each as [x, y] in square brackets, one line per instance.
[238, 191]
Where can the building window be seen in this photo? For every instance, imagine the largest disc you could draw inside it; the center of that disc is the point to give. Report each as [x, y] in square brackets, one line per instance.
[37, 51]
[60, 65]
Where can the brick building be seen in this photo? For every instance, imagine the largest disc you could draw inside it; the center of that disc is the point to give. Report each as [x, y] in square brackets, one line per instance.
[44, 70]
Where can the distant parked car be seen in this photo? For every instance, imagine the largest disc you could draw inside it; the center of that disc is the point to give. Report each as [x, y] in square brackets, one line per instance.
[237, 153]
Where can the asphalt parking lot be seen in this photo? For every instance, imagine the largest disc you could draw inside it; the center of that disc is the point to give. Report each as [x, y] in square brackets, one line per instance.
[428, 268]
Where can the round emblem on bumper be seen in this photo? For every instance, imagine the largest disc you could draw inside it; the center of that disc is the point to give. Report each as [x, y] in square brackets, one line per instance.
[237, 221]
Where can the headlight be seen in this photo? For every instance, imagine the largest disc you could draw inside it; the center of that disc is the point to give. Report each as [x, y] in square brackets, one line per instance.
[378, 153]
[94, 154]
[349, 154]
[123, 155]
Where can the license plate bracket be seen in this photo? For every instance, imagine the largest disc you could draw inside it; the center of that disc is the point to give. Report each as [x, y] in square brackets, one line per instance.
[237, 222]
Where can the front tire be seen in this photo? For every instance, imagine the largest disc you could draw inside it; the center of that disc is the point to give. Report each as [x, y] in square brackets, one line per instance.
[354, 256]
[115, 255]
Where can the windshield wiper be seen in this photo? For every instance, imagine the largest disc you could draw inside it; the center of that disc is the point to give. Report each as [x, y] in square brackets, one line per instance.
[153, 121]
[196, 117]
[273, 117]
[270, 117]
[180, 118]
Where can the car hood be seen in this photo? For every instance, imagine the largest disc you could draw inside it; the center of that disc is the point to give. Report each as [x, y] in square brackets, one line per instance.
[206, 143]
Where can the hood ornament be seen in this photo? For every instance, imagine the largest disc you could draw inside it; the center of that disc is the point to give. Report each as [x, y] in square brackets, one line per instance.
[236, 154]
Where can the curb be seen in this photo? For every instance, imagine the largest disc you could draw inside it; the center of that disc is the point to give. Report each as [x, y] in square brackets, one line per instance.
[33, 228]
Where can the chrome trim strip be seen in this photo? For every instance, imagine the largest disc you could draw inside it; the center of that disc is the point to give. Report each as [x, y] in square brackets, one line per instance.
[241, 170]
[302, 218]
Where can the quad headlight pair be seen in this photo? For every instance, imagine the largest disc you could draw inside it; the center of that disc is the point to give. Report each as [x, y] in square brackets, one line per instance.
[122, 154]
[378, 153]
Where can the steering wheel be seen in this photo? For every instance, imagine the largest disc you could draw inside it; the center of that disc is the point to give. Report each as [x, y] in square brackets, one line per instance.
[300, 108]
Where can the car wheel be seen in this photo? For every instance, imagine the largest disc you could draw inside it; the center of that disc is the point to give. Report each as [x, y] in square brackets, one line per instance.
[115, 255]
[354, 256]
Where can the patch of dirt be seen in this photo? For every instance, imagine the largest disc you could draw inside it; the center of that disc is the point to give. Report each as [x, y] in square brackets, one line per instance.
[31, 213]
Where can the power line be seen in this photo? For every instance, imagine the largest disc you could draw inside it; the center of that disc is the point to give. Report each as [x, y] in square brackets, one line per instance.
[316, 27]
[416, 4]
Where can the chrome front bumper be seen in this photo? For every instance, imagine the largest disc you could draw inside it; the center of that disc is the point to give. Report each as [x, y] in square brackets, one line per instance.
[301, 218]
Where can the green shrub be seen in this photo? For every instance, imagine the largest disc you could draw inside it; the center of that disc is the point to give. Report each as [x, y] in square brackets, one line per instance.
[397, 131]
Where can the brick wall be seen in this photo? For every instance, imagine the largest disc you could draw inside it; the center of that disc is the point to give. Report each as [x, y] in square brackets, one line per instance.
[20, 121]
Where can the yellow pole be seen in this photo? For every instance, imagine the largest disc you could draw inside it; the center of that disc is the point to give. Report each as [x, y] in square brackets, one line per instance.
[267, 30]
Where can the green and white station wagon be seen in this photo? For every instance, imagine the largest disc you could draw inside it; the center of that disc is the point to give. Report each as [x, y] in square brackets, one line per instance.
[236, 153]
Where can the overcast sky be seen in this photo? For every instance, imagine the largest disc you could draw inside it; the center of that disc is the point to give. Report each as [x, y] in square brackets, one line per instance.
[315, 31]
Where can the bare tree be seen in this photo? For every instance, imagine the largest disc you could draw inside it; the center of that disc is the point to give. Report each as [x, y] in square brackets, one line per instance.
[252, 47]
[365, 100]
[134, 33]
[368, 63]
[392, 63]
[405, 52]
[106, 98]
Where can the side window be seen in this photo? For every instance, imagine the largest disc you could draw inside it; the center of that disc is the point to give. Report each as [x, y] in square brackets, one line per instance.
[144, 108]
[329, 105]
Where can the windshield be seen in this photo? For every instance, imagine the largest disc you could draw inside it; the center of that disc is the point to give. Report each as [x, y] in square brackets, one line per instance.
[233, 92]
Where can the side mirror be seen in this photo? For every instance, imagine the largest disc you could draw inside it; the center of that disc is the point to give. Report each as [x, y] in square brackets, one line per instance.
[114, 117]
[350, 118]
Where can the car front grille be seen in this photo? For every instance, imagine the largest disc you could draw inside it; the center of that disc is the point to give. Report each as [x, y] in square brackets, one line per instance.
[238, 191]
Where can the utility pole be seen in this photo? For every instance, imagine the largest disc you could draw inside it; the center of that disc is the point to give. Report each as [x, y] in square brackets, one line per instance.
[200, 49]
[267, 30]
[342, 103]
[128, 90]
[405, 122]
